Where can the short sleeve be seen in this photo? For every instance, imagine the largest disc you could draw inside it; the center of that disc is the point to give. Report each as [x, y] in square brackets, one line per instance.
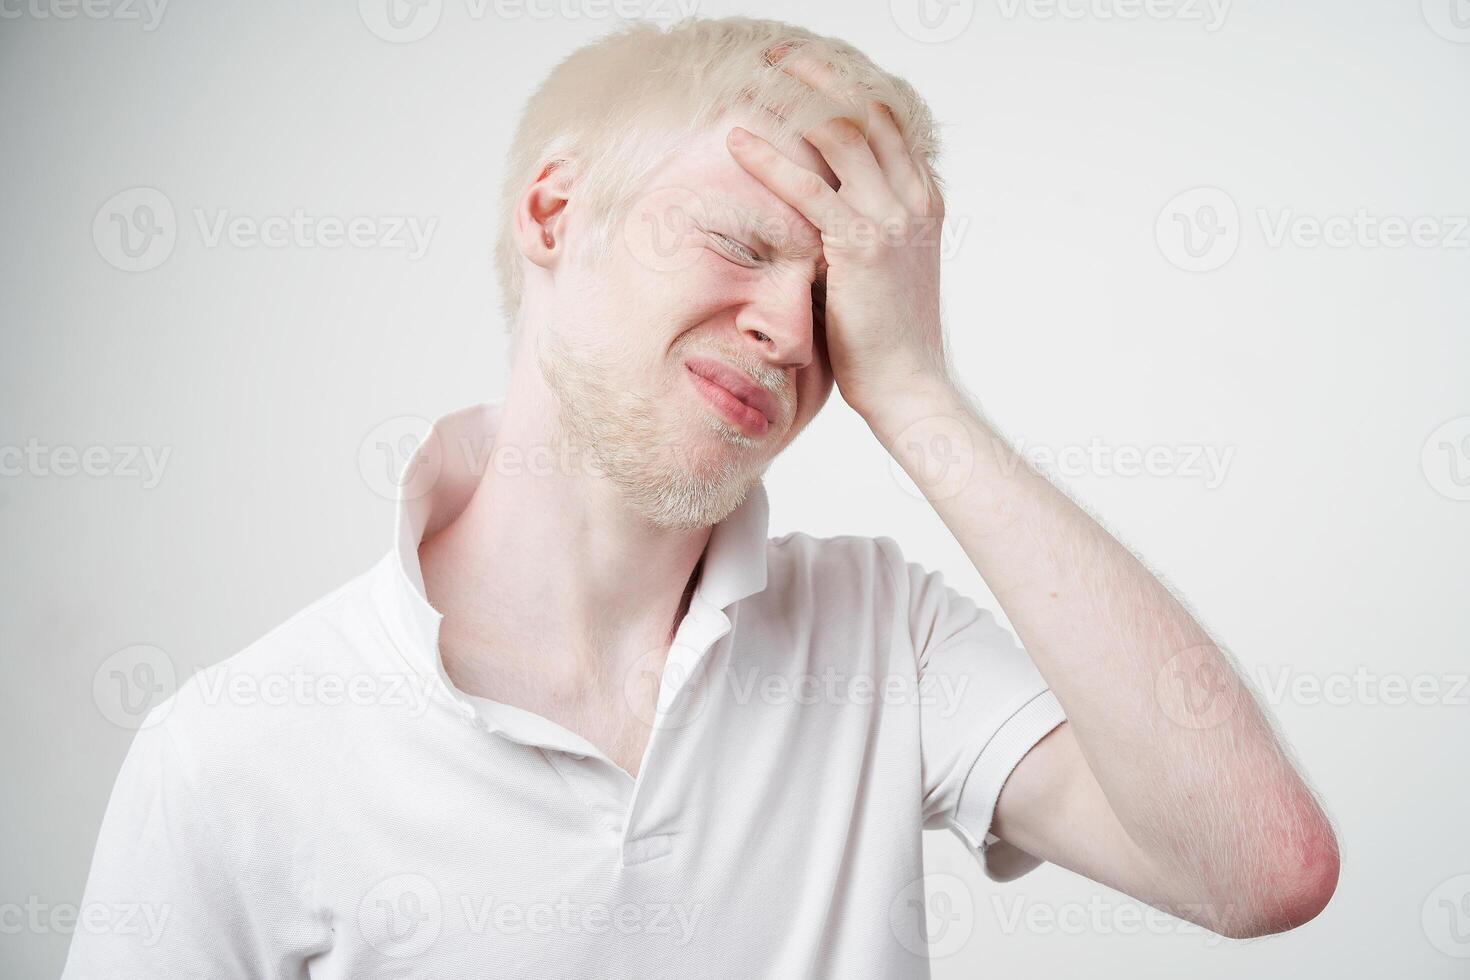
[159, 901]
[983, 705]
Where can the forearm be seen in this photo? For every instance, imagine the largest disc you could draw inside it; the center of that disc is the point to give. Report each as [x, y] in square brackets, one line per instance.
[1188, 762]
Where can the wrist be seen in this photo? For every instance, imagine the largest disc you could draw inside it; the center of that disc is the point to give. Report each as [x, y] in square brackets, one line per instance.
[890, 414]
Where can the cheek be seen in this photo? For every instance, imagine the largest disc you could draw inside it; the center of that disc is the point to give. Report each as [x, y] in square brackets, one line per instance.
[813, 388]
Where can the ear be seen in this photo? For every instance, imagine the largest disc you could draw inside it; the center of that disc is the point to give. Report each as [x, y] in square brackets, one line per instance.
[538, 213]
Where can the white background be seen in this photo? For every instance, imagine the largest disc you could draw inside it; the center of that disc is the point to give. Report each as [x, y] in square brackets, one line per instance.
[1330, 548]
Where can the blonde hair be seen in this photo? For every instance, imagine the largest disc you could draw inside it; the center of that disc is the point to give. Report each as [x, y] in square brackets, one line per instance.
[625, 103]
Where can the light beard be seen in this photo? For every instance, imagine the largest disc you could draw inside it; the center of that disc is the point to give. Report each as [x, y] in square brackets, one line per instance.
[672, 484]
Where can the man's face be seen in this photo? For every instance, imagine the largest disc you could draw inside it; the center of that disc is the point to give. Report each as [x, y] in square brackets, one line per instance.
[693, 355]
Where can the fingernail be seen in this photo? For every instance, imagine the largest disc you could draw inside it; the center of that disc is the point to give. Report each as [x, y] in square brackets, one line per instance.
[739, 136]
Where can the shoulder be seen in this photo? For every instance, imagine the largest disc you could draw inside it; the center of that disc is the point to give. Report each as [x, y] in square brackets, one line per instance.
[844, 559]
[302, 676]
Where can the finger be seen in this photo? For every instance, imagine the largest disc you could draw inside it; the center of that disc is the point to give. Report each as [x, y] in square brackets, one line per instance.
[882, 143]
[805, 191]
[893, 157]
[843, 145]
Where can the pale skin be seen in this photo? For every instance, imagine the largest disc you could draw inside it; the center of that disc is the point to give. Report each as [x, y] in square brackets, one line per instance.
[560, 630]
[1197, 814]
[1190, 805]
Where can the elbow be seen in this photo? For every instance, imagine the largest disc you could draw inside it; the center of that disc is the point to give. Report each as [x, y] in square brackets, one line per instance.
[1294, 892]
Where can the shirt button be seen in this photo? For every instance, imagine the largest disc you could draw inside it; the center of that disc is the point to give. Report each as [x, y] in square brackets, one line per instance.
[576, 755]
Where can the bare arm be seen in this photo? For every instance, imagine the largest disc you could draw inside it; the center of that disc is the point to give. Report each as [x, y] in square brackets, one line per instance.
[1167, 781]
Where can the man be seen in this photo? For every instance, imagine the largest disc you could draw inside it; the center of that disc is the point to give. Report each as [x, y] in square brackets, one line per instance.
[603, 725]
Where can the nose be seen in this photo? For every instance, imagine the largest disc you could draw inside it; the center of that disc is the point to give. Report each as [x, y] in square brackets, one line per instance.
[778, 324]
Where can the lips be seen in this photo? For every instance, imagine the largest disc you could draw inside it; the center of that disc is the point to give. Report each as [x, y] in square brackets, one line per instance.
[760, 408]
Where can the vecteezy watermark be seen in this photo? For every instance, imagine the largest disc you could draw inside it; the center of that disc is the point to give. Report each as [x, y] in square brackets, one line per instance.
[35, 459]
[667, 688]
[940, 451]
[299, 687]
[1197, 688]
[1210, 14]
[129, 684]
[402, 916]
[35, 916]
[1201, 229]
[406, 21]
[1362, 229]
[933, 916]
[562, 916]
[403, 458]
[1446, 917]
[932, 21]
[1096, 917]
[942, 693]
[933, 458]
[136, 229]
[1445, 459]
[1206, 463]
[1363, 686]
[1198, 230]
[149, 13]
[670, 229]
[1450, 19]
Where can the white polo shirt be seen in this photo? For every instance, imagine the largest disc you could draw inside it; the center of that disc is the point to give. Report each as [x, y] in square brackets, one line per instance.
[325, 803]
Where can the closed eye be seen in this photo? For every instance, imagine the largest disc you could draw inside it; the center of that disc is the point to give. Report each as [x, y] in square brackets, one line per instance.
[740, 252]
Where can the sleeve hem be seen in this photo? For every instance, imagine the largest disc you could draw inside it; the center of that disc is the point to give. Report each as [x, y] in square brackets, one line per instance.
[976, 806]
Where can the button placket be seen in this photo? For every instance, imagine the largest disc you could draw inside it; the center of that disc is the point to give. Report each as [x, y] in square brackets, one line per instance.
[701, 630]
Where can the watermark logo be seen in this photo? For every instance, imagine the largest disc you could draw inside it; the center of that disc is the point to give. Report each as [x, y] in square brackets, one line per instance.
[401, 458]
[933, 458]
[660, 229]
[130, 683]
[401, 21]
[1446, 917]
[135, 229]
[932, 21]
[933, 916]
[1196, 689]
[1199, 229]
[401, 916]
[1446, 459]
[667, 688]
[1450, 19]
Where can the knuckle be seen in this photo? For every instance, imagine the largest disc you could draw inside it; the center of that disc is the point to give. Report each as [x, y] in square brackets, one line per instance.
[847, 132]
[809, 185]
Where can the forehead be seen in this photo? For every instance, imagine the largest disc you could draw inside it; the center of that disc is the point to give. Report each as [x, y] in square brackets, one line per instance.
[730, 192]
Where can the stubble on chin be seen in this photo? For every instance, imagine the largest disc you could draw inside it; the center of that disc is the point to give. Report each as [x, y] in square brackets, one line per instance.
[647, 444]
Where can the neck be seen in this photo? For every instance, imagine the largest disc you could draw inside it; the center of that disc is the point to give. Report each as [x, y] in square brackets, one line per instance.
[547, 573]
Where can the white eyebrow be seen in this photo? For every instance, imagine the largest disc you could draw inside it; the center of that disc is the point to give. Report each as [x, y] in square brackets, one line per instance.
[750, 222]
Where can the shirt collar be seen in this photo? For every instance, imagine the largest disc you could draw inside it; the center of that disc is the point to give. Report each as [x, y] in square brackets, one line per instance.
[436, 485]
